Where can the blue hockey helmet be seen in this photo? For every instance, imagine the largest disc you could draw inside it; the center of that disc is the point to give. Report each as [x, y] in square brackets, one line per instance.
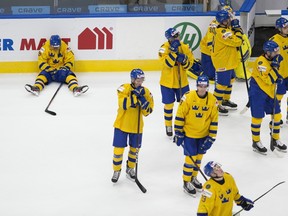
[202, 80]
[55, 41]
[209, 167]
[281, 22]
[137, 74]
[224, 2]
[222, 15]
[270, 46]
[171, 33]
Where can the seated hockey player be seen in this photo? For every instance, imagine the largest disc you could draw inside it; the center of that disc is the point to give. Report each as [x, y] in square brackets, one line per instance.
[265, 78]
[219, 193]
[56, 64]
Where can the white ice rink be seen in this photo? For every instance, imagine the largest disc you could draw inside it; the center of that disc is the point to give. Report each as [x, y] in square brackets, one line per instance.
[62, 165]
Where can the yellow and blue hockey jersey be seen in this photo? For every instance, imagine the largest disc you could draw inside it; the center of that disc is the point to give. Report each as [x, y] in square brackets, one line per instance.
[52, 59]
[207, 41]
[169, 75]
[197, 117]
[217, 199]
[224, 53]
[246, 51]
[283, 45]
[264, 75]
[127, 116]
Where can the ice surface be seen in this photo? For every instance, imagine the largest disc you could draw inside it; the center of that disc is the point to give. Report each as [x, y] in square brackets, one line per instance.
[62, 165]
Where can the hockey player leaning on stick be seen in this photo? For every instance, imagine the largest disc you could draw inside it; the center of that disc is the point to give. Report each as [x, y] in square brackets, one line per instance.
[282, 40]
[219, 193]
[56, 64]
[134, 102]
[265, 78]
[196, 125]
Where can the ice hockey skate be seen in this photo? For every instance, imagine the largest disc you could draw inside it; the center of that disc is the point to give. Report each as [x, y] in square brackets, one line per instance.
[32, 89]
[259, 148]
[197, 184]
[227, 104]
[222, 111]
[169, 131]
[115, 176]
[130, 173]
[189, 189]
[80, 90]
[279, 146]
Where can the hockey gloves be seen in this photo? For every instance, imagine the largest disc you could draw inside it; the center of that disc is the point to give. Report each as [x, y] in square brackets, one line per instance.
[181, 58]
[143, 102]
[197, 67]
[64, 68]
[174, 45]
[236, 26]
[139, 91]
[276, 61]
[206, 144]
[245, 203]
[178, 138]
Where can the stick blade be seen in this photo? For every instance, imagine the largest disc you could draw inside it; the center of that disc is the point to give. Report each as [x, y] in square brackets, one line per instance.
[142, 188]
[244, 110]
[272, 147]
[50, 112]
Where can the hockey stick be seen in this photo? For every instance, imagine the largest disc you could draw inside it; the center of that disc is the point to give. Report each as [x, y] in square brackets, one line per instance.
[261, 196]
[180, 86]
[49, 111]
[272, 147]
[195, 164]
[142, 188]
[246, 81]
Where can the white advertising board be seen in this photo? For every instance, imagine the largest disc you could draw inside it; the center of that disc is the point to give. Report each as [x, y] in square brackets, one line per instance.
[98, 38]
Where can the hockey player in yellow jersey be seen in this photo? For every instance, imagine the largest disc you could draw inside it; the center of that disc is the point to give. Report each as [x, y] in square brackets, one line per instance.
[225, 59]
[176, 57]
[206, 48]
[265, 78]
[196, 125]
[219, 193]
[282, 40]
[134, 102]
[56, 64]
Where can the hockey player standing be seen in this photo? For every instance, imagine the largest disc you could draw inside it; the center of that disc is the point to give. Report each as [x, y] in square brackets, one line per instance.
[225, 58]
[282, 40]
[196, 125]
[265, 78]
[134, 102]
[56, 64]
[176, 57]
[219, 193]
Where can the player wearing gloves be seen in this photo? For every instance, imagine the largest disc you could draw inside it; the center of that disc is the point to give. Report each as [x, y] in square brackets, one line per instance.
[176, 57]
[263, 82]
[196, 125]
[225, 59]
[56, 64]
[129, 122]
[282, 40]
[219, 193]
